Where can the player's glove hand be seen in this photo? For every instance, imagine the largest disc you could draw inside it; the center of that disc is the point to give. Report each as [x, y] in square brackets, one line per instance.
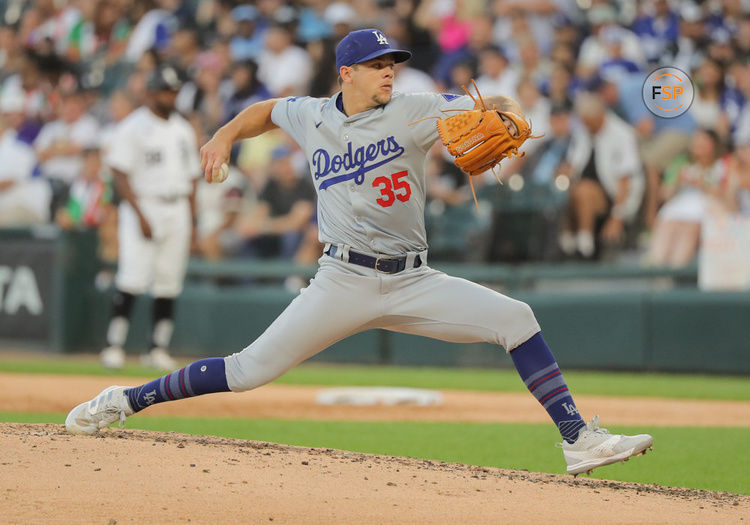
[479, 138]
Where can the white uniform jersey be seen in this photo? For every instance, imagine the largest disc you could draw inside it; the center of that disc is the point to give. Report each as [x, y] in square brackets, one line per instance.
[83, 132]
[371, 192]
[160, 156]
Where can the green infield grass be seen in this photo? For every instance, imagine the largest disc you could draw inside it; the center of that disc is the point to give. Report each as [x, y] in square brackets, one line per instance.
[704, 458]
[501, 380]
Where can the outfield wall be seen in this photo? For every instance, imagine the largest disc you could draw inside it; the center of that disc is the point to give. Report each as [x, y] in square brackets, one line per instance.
[628, 328]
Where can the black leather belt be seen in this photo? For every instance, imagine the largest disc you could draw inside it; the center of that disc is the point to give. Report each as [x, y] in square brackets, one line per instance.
[380, 264]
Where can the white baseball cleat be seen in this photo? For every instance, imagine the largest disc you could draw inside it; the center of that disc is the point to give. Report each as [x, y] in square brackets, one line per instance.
[159, 359]
[112, 357]
[109, 406]
[596, 447]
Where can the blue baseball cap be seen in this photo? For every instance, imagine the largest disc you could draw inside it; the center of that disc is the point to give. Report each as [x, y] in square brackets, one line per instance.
[366, 44]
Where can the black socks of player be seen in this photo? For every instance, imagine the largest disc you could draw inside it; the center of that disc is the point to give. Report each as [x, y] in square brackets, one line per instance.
[163, 323]
[122, 308]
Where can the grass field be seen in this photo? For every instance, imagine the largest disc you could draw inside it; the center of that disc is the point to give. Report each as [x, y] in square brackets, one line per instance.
[706, 458]
[679, 386]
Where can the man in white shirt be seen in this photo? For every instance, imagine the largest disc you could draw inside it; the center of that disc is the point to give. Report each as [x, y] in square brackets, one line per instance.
[284, 68]
[608, 182]
[60, 143]
[24, 200]
[412, 80]
[496, 76]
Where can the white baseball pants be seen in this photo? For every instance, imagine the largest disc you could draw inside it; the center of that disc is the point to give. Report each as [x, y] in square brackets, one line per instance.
[157, 265]
[344, 299]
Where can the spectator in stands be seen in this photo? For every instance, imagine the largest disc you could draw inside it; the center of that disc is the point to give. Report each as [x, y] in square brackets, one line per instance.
[445, 182]
[607, 179]
[658, 28]
[532, 64]
[742, 39]
[184, 48]
[284, 68]
[286, 204]
[153, 30]
[595, 48]
[558, 88]
[341, 17]
[24, 200]
[323, 58]
[736, 190]
[90, 195]
[29, 79]
[245, 89]
[707, 104]
[542, 18]
[689, 184]
[541, 167]
[495, 75]
[692, 44]
[616, 66]
[60, 143]
[203, 98]
[536, 108]
[246, 43]
[660, 140]
[742, 121]
[101, 31]
[10, 51]
[460, 75]
[410, 80]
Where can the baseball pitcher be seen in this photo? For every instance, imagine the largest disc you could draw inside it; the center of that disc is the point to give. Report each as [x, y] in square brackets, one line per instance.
[367, 165]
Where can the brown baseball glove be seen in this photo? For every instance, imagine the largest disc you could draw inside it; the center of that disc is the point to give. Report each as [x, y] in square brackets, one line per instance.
[479, 138]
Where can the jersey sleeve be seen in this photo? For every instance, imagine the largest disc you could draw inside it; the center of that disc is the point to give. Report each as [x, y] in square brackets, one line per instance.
[121, 155]
[420, 105]
[295, 115]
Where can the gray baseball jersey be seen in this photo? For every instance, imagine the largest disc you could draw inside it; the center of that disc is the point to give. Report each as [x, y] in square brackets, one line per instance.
[368, 169]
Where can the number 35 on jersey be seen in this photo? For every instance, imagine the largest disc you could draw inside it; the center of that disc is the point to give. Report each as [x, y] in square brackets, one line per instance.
[395, 186]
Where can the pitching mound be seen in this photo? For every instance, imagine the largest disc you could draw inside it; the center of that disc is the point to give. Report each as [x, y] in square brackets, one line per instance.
[131, 476]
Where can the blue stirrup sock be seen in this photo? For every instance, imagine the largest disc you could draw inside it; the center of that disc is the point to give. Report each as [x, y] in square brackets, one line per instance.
[539, 371]
[205, 376]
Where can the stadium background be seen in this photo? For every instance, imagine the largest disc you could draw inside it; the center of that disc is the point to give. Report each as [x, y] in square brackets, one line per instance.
[614, 312]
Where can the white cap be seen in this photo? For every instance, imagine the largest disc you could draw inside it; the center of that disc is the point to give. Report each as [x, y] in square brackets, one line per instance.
[12, 100]
[340, 13]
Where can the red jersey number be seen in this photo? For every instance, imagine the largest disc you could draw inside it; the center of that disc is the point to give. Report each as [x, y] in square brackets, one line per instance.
[392, 188]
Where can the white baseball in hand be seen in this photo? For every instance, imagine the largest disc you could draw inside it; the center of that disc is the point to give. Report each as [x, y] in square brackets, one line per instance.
[220, 174]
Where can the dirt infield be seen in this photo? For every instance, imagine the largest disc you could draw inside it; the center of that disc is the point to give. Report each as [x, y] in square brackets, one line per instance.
[48, 476]
[55, 393]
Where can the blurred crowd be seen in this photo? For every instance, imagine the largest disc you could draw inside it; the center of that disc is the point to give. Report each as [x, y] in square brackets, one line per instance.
[607, 174]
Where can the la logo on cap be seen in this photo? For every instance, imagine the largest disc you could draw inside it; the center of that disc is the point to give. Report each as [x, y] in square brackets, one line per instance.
[381, 38]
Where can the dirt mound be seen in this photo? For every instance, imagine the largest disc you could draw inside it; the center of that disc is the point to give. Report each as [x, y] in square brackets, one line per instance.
[130, 476]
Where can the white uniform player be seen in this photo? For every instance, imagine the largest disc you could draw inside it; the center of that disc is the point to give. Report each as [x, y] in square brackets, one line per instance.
[154, 157]
[367, 164]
